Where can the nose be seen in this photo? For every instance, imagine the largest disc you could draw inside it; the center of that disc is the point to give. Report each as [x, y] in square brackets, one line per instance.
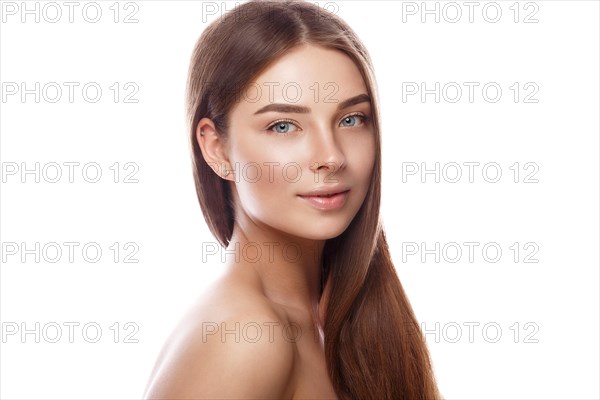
[328, 157]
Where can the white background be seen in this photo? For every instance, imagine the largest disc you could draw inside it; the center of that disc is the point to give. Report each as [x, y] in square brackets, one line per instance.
[555, 356]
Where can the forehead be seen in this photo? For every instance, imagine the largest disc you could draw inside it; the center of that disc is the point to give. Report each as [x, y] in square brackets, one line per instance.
[306, 74]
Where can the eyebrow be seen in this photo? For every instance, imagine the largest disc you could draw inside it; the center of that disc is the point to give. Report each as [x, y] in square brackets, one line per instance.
[291, 108]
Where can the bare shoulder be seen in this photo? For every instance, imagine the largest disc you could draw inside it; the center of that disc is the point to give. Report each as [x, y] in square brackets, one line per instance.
[231, 344]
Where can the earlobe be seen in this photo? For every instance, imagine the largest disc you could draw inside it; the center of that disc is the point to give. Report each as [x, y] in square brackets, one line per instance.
[213, 148]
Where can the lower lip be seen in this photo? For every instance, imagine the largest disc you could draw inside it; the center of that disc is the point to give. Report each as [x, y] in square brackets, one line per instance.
[327, 203]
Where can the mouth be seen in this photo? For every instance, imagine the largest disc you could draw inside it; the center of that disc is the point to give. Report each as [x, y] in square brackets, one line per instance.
[326, 200]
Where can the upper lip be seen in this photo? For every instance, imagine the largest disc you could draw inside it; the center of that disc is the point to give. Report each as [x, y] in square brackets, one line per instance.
[325, 190]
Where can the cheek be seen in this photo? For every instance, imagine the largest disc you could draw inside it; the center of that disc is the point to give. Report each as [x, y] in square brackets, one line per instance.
[259, 171]
[269, 164]
[360, 157]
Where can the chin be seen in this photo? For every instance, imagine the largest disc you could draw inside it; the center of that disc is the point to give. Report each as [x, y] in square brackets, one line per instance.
[321, 235]
[322, 231]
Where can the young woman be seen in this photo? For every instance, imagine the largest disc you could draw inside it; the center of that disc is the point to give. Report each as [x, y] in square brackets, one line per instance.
[282, 106]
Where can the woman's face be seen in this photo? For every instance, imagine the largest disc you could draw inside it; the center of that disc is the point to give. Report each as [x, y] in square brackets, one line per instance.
[303, 125]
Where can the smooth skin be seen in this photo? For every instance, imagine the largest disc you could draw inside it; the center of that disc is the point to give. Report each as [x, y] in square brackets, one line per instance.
[270, 288]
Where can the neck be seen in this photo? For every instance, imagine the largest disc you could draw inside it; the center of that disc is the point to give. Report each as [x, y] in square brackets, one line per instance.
[288, 267]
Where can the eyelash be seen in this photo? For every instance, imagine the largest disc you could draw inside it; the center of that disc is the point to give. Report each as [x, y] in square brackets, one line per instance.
[274, 123]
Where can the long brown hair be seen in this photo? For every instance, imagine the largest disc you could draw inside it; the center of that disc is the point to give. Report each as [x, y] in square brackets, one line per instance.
[373, 344]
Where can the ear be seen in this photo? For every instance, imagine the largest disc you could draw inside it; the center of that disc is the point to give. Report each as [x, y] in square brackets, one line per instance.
[213, 148]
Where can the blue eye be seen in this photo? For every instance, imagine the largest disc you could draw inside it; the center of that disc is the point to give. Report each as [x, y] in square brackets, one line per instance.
[354, 120]
[282, 127]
